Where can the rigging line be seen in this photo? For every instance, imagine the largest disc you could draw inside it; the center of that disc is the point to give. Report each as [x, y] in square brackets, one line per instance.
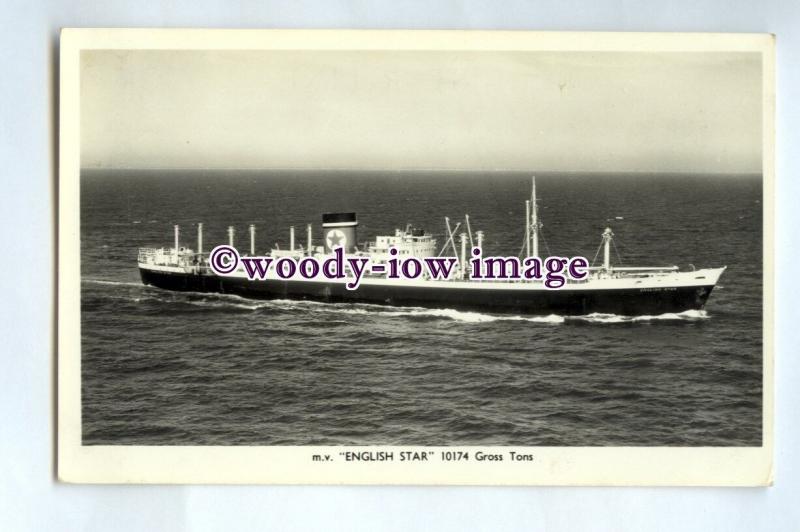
[617, 251]
[450, 238]
[597, 253]
[469, 232]
[453, 237]
[623, 246]
[521, 249]
[545, 242]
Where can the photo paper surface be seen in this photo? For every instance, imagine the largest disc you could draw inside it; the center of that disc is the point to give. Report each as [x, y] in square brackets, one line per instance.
[403, 257]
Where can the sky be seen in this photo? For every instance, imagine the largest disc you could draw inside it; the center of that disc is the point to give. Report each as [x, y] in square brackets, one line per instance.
[406, 110]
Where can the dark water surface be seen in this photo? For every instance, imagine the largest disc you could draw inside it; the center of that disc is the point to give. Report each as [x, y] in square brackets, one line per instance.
[169, 368]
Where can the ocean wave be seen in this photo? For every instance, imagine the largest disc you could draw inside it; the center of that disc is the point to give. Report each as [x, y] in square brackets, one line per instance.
[473, 317]
[688, 315]
[112, 283]
[215, 301]
[457, 315]
[210, 303]
[477, 317]
[362, 309]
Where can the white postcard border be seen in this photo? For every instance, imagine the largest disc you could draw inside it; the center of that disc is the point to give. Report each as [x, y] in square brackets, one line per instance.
[708, 466]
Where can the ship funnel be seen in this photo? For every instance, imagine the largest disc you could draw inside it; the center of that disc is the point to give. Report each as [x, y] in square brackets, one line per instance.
[339, 229]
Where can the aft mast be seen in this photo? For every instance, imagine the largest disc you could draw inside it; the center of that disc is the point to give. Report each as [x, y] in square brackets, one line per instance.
[527, 228]
[607, 237]
[534, 221]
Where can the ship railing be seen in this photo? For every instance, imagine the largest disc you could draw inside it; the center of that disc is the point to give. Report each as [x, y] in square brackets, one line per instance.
[636, 268]
[296, 253]
[167, 256]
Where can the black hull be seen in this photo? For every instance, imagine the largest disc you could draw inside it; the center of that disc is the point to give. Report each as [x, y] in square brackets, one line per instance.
[565, 302]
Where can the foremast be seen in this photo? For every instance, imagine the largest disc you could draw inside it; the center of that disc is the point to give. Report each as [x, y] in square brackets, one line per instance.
[608, 235]
[532, 223]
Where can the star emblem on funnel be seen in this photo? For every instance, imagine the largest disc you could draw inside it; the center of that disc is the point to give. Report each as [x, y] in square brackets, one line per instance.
[336, 238]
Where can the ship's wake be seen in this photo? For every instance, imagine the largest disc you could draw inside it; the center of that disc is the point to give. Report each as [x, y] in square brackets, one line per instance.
[451, 314]
[688, 315]
[478, 317]
[112, 283]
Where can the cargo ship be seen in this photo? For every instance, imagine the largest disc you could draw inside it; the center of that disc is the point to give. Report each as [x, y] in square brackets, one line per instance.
[608, 289]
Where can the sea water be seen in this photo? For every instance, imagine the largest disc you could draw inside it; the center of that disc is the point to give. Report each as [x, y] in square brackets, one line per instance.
[166, 368]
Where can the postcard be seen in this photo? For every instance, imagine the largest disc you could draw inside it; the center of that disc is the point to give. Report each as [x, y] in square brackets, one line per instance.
[415, 257]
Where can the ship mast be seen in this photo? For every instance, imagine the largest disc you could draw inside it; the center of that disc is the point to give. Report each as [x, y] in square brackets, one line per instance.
[252, 240]
[527, 228]
[534, 220]
[607, 236]
[463, 255]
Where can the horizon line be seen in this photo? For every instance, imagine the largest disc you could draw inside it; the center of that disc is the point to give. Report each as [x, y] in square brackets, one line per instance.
[412, 169]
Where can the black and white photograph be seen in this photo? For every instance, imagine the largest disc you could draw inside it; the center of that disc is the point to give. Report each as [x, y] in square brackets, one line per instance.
[451, 255]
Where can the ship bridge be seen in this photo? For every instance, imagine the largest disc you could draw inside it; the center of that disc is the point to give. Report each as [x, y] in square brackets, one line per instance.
[411, 242]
